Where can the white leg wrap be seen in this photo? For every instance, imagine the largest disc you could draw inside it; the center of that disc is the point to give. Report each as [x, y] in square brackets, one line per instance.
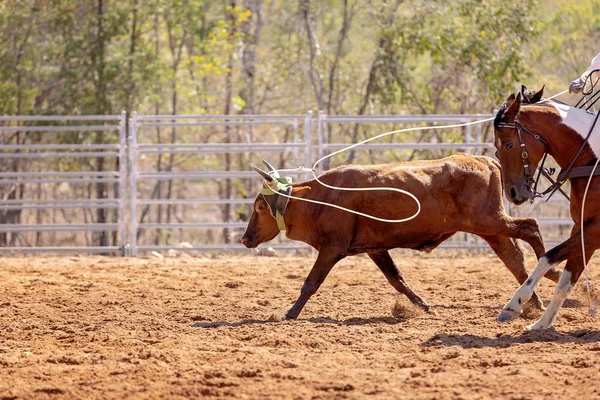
[515, 306]
[562, 291]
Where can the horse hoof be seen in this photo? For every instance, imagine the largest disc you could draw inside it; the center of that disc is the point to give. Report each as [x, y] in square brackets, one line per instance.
[507, 315]
[536, 327]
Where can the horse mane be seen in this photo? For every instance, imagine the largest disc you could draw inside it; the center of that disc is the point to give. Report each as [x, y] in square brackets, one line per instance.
[500, 117]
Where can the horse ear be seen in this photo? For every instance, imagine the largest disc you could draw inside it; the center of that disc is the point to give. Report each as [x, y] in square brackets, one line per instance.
[515, 106]
[510, 98]
[524, 91]
[538, 95]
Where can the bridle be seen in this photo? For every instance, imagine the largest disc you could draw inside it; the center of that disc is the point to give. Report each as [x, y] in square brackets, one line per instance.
[531, 182]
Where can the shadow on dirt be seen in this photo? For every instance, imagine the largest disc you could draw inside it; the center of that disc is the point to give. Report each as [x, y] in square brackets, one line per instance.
[503, 341]
[317, 320]
[357, 321]
[220, 324]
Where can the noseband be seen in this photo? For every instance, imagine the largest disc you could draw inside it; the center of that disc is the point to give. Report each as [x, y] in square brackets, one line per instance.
[532, 183]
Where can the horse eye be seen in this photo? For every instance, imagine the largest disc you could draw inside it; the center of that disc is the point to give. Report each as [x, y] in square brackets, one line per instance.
[496, 153]
[508, 146]
[260, 207]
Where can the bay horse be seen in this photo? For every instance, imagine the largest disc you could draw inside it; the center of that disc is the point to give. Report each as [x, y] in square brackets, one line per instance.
[523, 134]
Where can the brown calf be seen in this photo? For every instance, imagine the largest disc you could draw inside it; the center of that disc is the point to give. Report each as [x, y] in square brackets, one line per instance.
[458, 193]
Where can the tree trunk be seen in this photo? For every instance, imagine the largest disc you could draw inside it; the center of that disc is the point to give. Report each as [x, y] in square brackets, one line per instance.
[98, 60]
[227, 190]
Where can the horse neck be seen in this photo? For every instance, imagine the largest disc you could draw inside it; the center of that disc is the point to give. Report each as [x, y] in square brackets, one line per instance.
[563, 142]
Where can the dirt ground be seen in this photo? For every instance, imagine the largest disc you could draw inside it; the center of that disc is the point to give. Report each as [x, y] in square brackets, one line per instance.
[107, 328]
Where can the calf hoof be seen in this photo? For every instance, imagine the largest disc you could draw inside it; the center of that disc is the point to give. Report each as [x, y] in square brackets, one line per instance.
[553, 275]
[507, 315]
[419, 302]
[536, 303]
[288, 317]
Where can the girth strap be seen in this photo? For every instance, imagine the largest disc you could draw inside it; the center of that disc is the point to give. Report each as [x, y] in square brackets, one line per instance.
[578, 172]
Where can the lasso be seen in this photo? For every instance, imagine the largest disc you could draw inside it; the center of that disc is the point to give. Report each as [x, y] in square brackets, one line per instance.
[314, 168]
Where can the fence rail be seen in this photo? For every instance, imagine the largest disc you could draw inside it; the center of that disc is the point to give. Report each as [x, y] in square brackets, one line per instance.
[165, 177]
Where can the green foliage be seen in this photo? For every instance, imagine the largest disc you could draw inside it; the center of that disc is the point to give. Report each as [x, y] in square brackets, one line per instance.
[437, 53]
[569, 39]
[65, 57]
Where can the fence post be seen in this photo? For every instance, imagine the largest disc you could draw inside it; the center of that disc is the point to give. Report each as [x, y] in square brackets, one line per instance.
[122, 180]
[133, 182]
[478, 138]
[308, 140]
[321, 133]
[468, 138]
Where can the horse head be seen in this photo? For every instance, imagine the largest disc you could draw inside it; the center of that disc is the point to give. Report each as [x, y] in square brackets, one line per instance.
[518, 150]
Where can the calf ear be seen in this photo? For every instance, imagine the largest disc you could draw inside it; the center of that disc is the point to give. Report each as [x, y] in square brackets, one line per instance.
[300, 191]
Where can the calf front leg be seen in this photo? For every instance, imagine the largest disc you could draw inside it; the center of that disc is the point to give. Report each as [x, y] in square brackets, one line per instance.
[513, 256]
[326, 259]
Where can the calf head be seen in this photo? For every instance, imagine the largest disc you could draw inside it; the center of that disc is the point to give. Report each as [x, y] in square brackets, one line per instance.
[267, 215]
[262, 227]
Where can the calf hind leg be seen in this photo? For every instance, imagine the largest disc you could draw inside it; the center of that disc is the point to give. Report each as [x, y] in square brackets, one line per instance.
[386, 264]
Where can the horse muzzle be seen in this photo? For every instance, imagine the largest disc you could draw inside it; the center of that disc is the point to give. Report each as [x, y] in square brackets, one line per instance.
[519, 194]
[249, 242]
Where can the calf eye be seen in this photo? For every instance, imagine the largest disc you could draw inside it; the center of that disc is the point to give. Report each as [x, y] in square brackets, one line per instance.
[508, 146]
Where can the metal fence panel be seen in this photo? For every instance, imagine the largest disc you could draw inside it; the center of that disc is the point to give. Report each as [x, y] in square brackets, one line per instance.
[168, 190]
[47, 168]
[161, 149]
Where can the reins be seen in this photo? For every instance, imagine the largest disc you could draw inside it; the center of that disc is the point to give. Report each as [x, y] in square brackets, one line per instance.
[588, 103]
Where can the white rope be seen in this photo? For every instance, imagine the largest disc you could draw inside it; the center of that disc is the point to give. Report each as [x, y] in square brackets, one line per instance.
[585, 268]
[390, 189]
[556, 95]
[314, 168]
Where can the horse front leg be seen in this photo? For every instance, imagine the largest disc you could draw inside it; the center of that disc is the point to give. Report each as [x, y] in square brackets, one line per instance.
[565, 286]
[569, 249]
[514, 307]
